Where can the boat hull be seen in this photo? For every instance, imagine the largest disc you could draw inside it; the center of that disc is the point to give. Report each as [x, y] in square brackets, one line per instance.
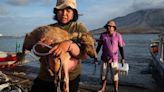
[7, 59]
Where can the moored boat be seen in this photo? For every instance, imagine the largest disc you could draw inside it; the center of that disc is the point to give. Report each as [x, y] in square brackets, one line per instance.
[7, 59]
[157, 64]
[11, 59]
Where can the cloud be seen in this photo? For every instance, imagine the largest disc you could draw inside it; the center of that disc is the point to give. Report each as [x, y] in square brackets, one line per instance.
[147, 4]
[98, 15]
[27, 2]
[95, 14]
[3, 11]
[18, 2]
[21, 25]
[47, 1]
[136, 5]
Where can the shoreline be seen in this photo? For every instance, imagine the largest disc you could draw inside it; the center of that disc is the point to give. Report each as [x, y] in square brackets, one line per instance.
[26, 81]
[84, 86]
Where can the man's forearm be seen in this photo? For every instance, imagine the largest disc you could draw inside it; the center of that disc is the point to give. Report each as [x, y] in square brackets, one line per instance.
[121, 52]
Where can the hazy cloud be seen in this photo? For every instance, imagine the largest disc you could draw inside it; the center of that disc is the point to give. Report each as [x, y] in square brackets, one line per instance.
[146, 4]
[18, 2]
[95, 12]
[3, 10]
[27, 2]
[47, 1]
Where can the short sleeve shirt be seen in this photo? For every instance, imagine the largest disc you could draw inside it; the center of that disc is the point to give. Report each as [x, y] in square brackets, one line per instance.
[111, 45]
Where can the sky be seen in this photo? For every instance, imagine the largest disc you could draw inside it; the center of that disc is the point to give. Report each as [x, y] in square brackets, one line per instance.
[18, 17]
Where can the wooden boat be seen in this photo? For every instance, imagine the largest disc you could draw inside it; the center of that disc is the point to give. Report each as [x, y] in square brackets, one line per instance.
[157, 64]
[7, 59]
[10, 59]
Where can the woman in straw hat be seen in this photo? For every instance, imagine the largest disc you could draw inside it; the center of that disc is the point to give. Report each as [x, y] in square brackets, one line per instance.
[66, 15]
[111, 41]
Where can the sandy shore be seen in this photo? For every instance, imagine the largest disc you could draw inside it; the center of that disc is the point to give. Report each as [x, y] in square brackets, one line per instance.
[26, 82]
[94, 88]
[25, 75]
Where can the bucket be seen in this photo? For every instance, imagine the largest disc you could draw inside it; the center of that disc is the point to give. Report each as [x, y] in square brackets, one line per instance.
[123, 70]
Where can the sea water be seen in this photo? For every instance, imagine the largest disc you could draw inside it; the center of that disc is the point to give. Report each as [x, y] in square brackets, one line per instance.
[136, 55]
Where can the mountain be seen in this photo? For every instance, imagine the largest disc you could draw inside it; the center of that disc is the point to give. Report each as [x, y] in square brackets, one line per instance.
[142, 21]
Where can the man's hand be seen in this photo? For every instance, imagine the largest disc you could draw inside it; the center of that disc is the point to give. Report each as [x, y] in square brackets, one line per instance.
[122, 61]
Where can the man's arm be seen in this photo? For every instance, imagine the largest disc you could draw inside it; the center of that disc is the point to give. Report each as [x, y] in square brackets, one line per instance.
[121, 49]
[97, 50]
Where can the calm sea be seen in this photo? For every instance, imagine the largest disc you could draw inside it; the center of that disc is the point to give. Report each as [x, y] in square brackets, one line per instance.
[136, 54]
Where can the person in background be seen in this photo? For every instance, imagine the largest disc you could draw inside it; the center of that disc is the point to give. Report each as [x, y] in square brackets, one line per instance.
[66, 15]
[111, 41]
